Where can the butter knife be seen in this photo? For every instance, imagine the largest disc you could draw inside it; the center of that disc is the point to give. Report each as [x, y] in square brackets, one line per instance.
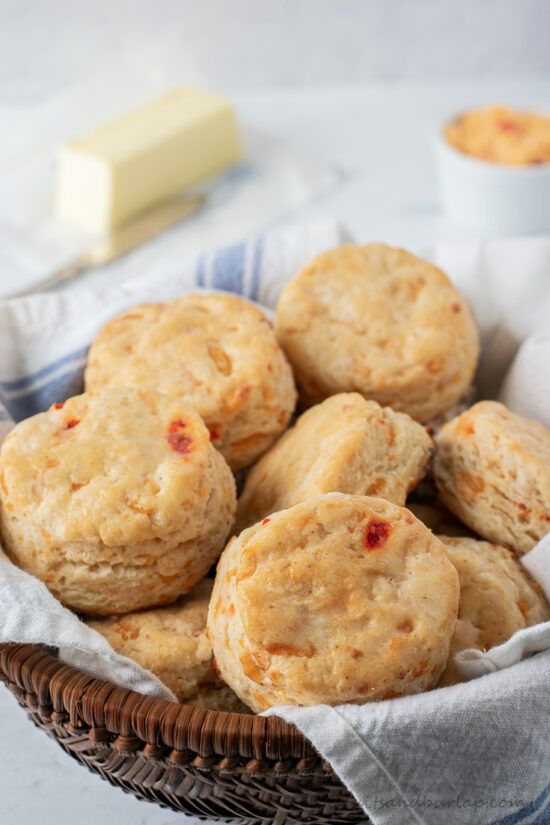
[122, 240]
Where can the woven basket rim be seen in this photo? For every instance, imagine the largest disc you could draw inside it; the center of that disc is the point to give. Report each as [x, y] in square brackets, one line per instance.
[101, 705]
[248, 770]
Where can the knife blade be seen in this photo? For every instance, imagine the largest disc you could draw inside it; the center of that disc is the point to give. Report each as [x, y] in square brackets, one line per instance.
[123, 240]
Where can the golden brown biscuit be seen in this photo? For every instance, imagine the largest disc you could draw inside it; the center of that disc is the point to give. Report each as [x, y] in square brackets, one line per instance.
[492, 469]
[338, 599]
[497, 597]
[171, 642]
[218, 352]
[346, 445]
[116, 499]
[381, 322]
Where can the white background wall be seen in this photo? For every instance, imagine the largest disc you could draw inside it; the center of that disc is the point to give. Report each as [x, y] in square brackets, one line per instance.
[46, 44]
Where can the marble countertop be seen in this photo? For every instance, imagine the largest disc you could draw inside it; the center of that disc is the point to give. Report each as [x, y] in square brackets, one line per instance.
[381, 137]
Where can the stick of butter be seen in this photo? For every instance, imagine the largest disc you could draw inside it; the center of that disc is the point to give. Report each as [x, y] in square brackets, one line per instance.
[147, 156]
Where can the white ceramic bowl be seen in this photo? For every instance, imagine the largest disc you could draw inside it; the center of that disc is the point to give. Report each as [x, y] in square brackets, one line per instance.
[490, 197]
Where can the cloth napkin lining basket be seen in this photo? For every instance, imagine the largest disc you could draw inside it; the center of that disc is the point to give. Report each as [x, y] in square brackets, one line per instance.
[249, 770]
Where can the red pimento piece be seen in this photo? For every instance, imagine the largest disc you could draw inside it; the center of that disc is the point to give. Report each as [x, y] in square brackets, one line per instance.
[72, 422]
[178, 441]
[377, 534]
[509, 126]
[214, 435]
[266, 520]
[57, 406]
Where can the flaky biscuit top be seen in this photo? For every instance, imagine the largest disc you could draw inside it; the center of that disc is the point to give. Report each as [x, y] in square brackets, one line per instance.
[217, 352]
[340, 598]
[380, 321]
[488, 421]
[345, 444]
[492, 468]
[115, 466]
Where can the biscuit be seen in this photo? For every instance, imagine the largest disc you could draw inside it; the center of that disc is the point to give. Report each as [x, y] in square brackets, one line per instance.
[346, 445]
[218, 352]
[117, 499]
[338, 599]
[492, 469]
[171, 642]
[497, 597]
[381, 322]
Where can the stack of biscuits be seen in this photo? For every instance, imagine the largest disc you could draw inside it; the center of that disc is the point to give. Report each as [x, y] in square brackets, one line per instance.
[364, 551]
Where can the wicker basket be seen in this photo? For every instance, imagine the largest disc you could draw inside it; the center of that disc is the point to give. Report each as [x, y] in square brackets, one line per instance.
[243, 769]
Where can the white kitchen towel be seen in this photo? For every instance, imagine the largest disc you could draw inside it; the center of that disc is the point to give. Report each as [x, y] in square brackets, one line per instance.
[537, 561]
[526, 388]
[477, 752]
[29, 613]
[470, 754]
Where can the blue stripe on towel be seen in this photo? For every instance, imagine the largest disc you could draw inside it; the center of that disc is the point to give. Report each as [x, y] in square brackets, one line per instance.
[40, 398]
[34, 393]
[22, 383]
[538, 807]
[228, 269]
[201, 266]
[256, 268]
